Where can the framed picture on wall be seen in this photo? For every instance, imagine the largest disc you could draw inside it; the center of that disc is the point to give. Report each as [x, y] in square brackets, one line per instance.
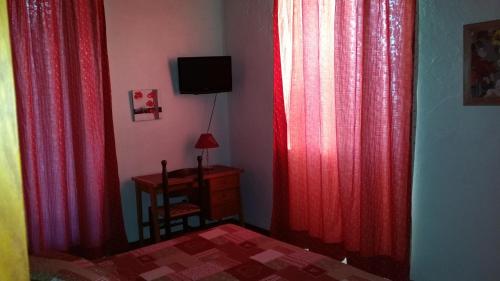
[482, 63]
[144, 104]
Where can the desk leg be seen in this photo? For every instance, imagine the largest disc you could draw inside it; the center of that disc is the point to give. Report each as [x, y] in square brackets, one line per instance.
[241, 218]
[240, 214]
[138, 203]
[153, 220]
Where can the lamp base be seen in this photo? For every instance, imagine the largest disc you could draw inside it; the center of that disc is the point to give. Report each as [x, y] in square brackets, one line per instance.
[207, 167]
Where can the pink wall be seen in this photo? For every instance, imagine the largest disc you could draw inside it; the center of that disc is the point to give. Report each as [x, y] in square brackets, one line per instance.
[144, 38]
[248, 34]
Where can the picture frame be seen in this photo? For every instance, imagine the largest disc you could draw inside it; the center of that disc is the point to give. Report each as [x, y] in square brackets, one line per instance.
[482, 63]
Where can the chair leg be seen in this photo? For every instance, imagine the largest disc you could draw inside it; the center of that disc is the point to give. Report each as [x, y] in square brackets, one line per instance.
[151, 234]
[168, 229]
[202, 221]
[185, 224]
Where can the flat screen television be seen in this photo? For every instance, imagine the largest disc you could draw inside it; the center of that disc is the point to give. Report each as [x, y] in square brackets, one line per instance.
[204, 75]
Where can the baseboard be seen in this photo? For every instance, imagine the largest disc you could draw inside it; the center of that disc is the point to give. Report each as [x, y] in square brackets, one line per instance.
[252, 227]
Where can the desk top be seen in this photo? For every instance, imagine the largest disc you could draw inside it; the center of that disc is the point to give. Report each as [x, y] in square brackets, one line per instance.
[183, 176]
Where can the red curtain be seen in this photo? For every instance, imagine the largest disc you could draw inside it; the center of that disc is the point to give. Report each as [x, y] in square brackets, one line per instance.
[342, 129]
[71, 185]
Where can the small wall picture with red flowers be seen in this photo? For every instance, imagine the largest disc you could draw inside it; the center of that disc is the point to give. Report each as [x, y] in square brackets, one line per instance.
[482, 63]
[144, 104]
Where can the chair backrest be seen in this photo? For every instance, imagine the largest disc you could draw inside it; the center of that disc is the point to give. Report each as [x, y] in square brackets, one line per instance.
[199, 158]
[164, 185]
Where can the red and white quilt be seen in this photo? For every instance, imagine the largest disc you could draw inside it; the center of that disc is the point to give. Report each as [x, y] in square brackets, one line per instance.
[229, 252]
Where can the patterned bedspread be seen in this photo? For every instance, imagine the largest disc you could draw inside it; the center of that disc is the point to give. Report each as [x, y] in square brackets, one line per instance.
[229, 252]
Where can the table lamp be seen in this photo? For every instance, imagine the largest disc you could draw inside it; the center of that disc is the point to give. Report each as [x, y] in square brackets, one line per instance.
[206, 141]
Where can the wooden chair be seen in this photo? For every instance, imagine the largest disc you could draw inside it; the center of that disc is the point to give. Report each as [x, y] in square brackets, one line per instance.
[182, 210]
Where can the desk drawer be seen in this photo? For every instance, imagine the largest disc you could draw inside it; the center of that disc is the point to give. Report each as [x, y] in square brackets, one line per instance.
[220, 183]
[222, 211]
[223, 197]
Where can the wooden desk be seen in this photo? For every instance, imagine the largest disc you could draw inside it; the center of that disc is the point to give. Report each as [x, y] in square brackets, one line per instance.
[223, 189]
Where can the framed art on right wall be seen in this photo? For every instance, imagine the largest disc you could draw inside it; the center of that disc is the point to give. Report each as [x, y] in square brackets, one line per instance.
[482, 63]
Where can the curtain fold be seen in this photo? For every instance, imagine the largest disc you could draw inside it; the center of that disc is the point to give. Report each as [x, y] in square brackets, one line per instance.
[342, 123]
[280, 215]
[70, 174]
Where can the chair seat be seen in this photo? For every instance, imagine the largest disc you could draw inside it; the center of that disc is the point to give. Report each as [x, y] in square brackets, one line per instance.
[180, 210]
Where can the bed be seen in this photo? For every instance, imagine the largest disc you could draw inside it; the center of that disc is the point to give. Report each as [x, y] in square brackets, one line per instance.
[227, 252]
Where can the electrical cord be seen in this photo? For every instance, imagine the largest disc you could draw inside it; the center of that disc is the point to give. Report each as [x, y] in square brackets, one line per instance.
[212, 114]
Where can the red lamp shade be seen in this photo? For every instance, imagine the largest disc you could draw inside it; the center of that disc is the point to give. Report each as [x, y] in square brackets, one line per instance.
[206, 141]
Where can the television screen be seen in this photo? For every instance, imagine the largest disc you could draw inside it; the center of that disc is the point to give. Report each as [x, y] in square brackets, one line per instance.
[204, 75]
